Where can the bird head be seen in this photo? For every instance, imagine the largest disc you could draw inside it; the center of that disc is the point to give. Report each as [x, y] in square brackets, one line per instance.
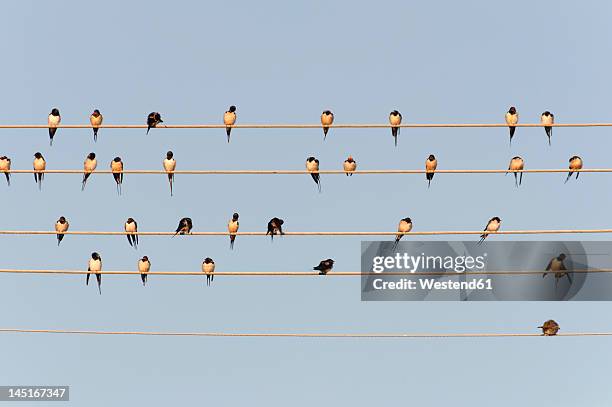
[512, 110]
[62, 220]
[169, 155]
[95, 256]
[144, 258]
[232, 108]
[38, 155]
[117, 159]
[96, 113]
[55, 112]
[235, 216]
[431, 157]
[91, 156]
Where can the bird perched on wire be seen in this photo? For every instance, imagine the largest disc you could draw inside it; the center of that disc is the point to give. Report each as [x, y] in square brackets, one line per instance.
[312, 166]
[548, 118]
[430, 168]
[516, 164]
[153, 119]
[131, 229]
[117, 169]
[492, 226]
[327, 119]
[557, 267]
[550, 328]
[232, 228]
[39, 165]
[61, 226]
[208, 268]
[395, 119]
[512, 118]
[404, 226]
[170, 166]
[275, 227]
[324, 267]
[53, 120]
[144, 266]
[5, 167]
[350, 165]
[229, 118]
[575, 164]
[89, 166]
[95, 266]
[184, 227]
[96, 121]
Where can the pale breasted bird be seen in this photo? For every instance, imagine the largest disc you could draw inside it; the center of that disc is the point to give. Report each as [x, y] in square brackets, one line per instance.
[492, 226]
[232, 227]
[53, 120]
[556, 266]
[39, 165]
[512, 118]
[395, 119]
[575, 164]
[550, 328]
[144, 266]
[153, 119]
[5, 167]
[548, 118]
[430, 168]
[61, 226]
[516, 164]
[312, 166]
[208, 268]
[89, 166]
[229, 119]
[404, 226]
[95, 266]
[96, 119]
[327, 119]
[350, 165]
[169, 166]
[131, 229]
[117, 168]
[184, 227]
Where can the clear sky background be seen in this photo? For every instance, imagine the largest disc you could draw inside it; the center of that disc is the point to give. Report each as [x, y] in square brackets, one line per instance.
[285, 63]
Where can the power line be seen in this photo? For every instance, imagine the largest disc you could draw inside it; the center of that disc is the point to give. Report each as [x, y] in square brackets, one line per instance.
[306, 273]
[321, 233]
[300, 126]
[296, 334]
[302, 172]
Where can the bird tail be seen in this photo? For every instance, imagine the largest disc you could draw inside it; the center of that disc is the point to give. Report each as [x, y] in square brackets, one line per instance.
[52, 131]
[394, 133]
[482, 238]
[8, 178]
[171, 180]
[325, 130]
[232, 239]
[143, 277]
[397, 240]
[85, 176]
[59, 239]
[568, 177]
[228, 130]
[99, 279]
[148, 128]
[95, 132]
[87, 279]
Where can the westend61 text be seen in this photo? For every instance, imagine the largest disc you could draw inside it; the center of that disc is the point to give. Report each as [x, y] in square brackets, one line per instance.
[432, 284]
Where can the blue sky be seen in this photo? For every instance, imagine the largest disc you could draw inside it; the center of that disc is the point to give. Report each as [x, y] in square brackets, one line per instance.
[434, 61]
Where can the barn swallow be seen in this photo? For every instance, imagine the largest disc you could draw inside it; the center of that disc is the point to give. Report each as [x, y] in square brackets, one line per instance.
[53, 121]
[95, 266]
[550, 328]
[327, 118]
[575, 163]
[557, 267]
[405, 226]
[61, 226]
[89, 166]
[516, 164]
[229, 118]
[275, 227]
[512, 118]
[153, 119]
[169, 166]
[144, 266]
[5, 167]
[208, 268]
[96, 121]
[232, 228]
[395, 119]
[184, 227]
[131, 228]
[492, 226]
[350, 166]
[312, 166]
[39, 167]
[324, 267]
[548, 118]
[117, 168]
[430, 168]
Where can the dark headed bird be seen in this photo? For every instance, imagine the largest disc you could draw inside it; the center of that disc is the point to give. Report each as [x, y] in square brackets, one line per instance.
[492, 226]
[229, 118]
[61, 226]
[184, 227]
[575, 164]
[89, 166]
[53, 121]
[39, 167]
[512, 118]
[232, 228]
[548, 118]
[5, 167]
[405, 226]
[516, 164]
[275, 227]
[557, 267]
[95, 266]
[550, 328]
[131, 229]
[144, 266]
[395, 119]
[324, 266]
[169, 167]
[350, 165]
[96, 121]
[208, 268]
[327, 119]
[312, 166]
[153, 119]
[117, 169]
[430, 168]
